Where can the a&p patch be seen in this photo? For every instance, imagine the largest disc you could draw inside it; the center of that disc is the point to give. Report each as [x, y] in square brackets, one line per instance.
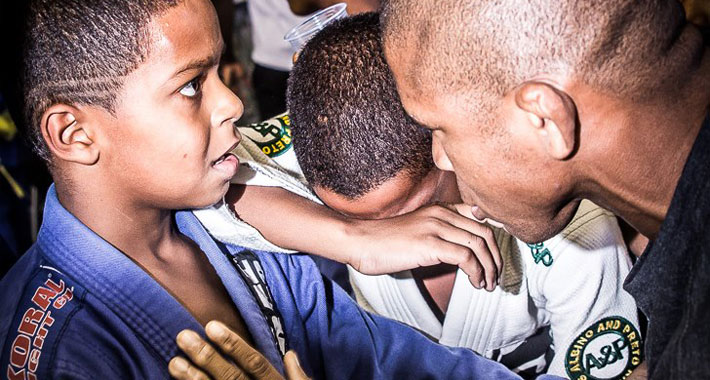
[608, 349]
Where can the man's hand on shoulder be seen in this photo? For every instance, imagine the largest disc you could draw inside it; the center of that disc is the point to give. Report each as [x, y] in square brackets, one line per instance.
[206, 361]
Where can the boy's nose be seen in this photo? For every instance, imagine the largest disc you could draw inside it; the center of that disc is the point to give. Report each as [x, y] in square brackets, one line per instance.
[229, 107]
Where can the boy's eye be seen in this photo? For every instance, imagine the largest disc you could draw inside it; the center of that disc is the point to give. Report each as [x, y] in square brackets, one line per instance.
[191, 88]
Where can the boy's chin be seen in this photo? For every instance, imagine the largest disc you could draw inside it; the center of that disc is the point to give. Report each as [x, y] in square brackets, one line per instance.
[213, 199]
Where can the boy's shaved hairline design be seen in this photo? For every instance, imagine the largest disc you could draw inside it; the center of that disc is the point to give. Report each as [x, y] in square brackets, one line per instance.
[484, 48]
[80, 52]
[350, 131]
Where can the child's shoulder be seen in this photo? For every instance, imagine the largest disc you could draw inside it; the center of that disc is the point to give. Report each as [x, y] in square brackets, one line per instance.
[272, 136]
[38, 302]
[52, 326]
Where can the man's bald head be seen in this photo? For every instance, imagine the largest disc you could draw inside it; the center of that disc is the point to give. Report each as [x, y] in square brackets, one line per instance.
[530, 100]
[486, 48]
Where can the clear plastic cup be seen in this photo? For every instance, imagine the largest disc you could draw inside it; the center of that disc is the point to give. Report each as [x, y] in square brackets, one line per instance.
[299, 35]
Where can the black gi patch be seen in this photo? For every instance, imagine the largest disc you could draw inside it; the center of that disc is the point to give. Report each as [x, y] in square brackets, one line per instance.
[249, 267]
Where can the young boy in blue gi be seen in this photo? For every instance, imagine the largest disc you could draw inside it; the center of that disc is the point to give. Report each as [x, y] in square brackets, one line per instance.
[124, 102]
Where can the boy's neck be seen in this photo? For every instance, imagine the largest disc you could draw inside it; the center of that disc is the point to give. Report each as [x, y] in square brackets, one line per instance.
[135, 231]
[438, 280]
[150, 238]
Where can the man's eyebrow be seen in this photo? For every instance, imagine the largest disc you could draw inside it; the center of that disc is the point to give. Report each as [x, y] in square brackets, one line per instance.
[413, 117]
[418, 123]
[201, 63]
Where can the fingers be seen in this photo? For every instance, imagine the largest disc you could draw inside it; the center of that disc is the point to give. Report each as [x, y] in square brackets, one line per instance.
[181, 369]
[424, 237]
[457, 251]
[246, 357]
[480, 240]
[492, 261]
[205, 357]
[293, 367]
[488, 235]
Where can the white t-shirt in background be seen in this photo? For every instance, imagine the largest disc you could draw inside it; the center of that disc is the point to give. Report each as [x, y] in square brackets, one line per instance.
[270, 21]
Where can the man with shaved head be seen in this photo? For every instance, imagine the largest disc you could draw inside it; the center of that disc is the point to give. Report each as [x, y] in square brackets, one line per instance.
[537, 104]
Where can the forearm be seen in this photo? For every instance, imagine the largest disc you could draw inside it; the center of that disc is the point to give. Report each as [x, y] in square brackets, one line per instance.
[427, 236]
[292, 222]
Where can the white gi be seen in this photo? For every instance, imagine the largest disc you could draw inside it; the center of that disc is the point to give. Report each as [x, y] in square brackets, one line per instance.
[571, 282]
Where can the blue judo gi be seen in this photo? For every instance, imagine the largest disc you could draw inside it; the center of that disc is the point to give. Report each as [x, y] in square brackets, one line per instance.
[75, 307]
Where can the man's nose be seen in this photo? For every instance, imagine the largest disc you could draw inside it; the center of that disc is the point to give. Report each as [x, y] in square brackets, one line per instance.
[441, 160]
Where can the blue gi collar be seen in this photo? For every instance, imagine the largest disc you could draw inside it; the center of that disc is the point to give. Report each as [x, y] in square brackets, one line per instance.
[146, 307]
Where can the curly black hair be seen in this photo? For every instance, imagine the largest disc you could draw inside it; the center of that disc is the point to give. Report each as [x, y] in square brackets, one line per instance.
[350, 131]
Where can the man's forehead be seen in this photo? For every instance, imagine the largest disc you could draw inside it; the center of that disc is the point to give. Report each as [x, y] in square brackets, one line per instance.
[431, 110]
[439, 108]
[419, 102]
[400, 59]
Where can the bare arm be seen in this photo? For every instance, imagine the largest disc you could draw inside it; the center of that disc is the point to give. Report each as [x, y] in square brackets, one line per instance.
[640, 373]
[428, 236]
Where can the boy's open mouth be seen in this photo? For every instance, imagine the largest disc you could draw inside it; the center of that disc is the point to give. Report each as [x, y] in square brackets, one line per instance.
[228, 157]
[224, 157]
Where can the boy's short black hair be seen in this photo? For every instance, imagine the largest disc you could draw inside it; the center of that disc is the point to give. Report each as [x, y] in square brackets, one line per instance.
[350, 130]
[79, 52]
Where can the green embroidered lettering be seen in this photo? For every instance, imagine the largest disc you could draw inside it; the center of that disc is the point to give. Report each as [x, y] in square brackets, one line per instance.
[541, 254]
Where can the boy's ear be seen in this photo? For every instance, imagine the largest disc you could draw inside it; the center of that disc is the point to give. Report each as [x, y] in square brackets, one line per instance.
[68, 135]
[553, 114]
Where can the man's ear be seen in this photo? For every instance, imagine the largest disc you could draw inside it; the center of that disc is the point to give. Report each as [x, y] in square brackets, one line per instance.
[68, 135]
[553, 114]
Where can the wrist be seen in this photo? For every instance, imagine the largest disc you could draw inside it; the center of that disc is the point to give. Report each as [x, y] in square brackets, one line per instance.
[354, 234]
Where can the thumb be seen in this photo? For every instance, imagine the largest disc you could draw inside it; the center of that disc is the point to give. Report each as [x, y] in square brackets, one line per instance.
[462, 209]
[293, 367]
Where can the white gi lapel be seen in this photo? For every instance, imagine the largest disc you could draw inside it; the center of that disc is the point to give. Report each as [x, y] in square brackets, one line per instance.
[472, 314]
[398, 297]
